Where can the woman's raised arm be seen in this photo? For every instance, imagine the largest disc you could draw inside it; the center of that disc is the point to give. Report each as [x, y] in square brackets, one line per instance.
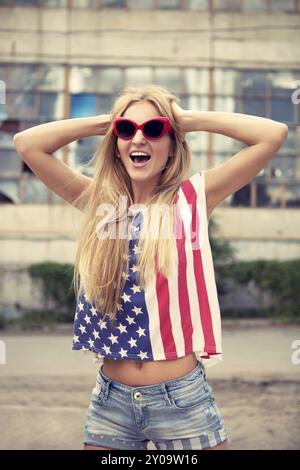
[37, 144]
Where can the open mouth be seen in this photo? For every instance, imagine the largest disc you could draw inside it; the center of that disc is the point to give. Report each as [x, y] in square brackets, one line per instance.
[140, 158]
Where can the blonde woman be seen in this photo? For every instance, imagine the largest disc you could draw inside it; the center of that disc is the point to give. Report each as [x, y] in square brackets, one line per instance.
[147, 302]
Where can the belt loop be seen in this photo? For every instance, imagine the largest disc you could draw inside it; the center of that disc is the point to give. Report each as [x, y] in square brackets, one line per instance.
[202, 368]
[204, 371]
[107, 386]
[107, 383]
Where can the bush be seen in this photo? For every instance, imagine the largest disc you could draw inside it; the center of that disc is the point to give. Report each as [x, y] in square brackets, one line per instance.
[3, 322]
[36, 319]
[57, 284]
[280, 278]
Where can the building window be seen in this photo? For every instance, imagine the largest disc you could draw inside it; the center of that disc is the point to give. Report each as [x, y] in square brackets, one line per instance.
[168, 4]
[34, 190]
[55, 3]
[34, 94]
[137, 76]
[283, 5]
[169, 77]
[143, 5]
[34, 3]
[113, 3]
[266, 94]
[51, 78]
[85, 3]
[201, 5]
[227, 5]
[26, 3]
[82, 79]
[110, 79]
[255, 5]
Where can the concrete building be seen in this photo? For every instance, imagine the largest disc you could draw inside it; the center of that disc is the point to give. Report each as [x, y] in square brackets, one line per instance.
[69, 58]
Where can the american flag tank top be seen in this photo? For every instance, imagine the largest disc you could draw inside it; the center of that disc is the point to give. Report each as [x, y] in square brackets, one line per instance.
[171, 317]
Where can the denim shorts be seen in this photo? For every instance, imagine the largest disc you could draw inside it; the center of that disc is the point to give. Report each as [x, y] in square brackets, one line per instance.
[177, 414]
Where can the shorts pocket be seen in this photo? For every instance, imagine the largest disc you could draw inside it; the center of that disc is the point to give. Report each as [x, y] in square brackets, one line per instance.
[186, 399]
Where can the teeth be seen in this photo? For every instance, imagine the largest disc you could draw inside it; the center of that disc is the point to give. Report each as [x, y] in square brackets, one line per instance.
[139, 154]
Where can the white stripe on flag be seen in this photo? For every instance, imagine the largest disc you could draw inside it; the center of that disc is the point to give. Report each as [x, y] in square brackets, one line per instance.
[154, 319]
[208, 270]
[175, 316]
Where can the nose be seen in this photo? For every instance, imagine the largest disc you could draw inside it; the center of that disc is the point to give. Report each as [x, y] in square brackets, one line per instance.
[138, 136]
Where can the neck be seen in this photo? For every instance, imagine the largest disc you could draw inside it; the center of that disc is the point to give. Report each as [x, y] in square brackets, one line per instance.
[142, 193]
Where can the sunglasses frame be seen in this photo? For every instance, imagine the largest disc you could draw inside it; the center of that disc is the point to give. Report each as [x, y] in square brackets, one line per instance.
[163, 119]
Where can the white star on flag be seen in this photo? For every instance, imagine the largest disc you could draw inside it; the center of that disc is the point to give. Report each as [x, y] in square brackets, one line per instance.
[87, 319]
[96, 334]
[132, 342]
[143, 355]
[102, 324]
[76, 339]
[136, 250]
[122, 328]
[141, 332]
[130, 320]
[106, 349]
[82, 329]
[134, 268]
[125, 297]
[135, 288]
[94, 311]
[114, 339]
[123, 352]
[137, 310]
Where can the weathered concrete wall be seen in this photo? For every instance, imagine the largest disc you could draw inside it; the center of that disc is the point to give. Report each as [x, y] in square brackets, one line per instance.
[194, 38]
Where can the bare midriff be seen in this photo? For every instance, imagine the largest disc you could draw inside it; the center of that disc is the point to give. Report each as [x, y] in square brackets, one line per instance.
[139, 373]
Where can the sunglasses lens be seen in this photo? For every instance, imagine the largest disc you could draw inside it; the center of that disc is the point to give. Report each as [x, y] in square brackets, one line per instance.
[154, 129]
[125, 129]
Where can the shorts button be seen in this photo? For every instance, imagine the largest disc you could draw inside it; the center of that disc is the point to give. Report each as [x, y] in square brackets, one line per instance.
[137, 395]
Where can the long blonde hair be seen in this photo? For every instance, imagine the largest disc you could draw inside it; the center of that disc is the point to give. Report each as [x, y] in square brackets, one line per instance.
[101, 264]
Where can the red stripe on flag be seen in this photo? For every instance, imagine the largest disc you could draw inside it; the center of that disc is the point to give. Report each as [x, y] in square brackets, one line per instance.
[163, 301]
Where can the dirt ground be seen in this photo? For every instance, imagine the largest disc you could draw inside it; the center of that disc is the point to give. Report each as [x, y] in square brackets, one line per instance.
[45, 389]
